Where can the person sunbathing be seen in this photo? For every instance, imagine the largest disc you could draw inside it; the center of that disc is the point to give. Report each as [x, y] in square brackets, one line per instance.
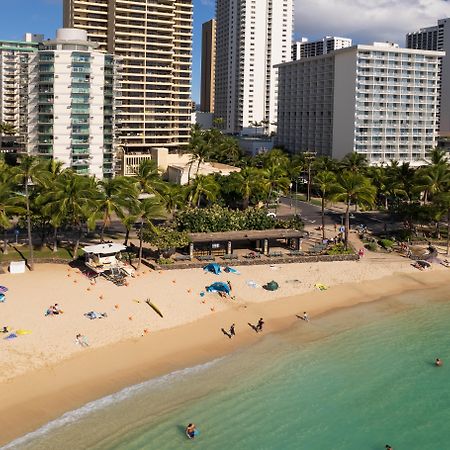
[81, 340]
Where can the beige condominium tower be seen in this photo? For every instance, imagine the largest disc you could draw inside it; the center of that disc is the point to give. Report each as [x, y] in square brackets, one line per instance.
[153, 41]
[208, 66]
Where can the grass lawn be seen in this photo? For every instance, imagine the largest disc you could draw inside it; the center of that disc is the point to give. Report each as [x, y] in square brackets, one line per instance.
[21, 252]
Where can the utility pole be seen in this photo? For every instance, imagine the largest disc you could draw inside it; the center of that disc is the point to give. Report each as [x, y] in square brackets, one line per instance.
[309, 157]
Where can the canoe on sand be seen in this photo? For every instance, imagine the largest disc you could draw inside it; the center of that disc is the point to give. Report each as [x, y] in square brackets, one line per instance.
[154, 307]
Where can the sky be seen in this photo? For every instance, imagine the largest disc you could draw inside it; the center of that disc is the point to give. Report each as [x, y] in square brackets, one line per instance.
[364, 21]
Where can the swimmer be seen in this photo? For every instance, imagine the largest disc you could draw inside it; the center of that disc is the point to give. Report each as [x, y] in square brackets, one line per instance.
[438, 362]
[388, 447]
[190, 431]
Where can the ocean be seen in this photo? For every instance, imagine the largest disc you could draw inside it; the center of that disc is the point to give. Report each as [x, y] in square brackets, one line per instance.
[354, 379]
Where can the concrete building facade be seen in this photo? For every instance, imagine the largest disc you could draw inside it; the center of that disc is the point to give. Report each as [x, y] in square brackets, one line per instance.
[14, 61]
[378, 100]
[71, 104]
[153, 40]
[306, 49]
[252, 37]
[437, 38]
[208, 68]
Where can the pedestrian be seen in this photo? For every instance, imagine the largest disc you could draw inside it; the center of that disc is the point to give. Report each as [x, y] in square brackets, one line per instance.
[232, 331]
[229, 285]
[335, 227]
[305, 317]
[259, 325]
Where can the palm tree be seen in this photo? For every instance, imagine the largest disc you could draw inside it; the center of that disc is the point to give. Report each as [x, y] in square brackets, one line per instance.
[443, 202]
[174, 198]
[200, 152]
[247, 182]
[325, 183]
[354, 188]
[128, 221]
[73, 198]
[29, 171]
[275, 179]
[432, 180]
[148, 179]
[149, 209]
[203, 186]
[437, 156]
[6, 129]
[10, 204]
[117, 196]
[276, 157]
[354, 162]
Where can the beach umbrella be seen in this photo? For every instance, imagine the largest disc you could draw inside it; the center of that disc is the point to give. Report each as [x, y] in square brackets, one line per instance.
[271, 286]
[219, 286]
[213, 268]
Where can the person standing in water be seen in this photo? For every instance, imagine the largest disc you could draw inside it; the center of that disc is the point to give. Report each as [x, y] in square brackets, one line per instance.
[438, 362]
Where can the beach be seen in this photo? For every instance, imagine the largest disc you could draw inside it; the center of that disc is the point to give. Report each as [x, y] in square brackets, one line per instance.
[45, 373]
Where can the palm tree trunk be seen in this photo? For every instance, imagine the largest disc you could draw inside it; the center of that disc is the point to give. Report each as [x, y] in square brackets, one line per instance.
[127, 236]
[5, 242]
[245, 202]
[140, 243]
[30, 241]
[77, 242]
[448, 232]
[347, 224]
[102, 232]
[189, 172]
[198, 167]
[323, 216]
[55, 239]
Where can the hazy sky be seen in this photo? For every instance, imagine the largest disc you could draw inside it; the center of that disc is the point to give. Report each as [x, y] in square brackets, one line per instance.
[363, 20]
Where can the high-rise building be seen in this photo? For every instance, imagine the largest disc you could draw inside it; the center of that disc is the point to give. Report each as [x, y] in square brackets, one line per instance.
[14, 61]
[252, 37]
[208, 66]
[153, 40]
[307, 49]
[437, 38]
[378, 100]
[71, 103]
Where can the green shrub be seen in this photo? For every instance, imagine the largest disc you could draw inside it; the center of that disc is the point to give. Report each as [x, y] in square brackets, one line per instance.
[387, 244]
[372, 246]
[165, 238]
[164, 261]
[339, 249]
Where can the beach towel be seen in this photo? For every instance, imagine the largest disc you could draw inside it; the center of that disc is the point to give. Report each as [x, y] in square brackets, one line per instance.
[3, 289]
[252, 284]
[231, 270]
[11, 336]
[321, 287]
[95, 315]
[23, 332]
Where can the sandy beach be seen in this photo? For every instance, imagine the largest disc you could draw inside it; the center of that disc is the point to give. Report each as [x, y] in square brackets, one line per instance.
[45, 373]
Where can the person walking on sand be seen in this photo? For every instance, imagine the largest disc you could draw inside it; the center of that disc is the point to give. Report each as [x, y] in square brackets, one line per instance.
[259, 325]
[305, 316]
[232, 331]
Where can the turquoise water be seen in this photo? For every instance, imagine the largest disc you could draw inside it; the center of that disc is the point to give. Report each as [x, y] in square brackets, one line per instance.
[354, 379]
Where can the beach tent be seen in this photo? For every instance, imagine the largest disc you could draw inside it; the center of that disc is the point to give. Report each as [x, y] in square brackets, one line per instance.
[219, 286]
[213, 268]
[271, 286]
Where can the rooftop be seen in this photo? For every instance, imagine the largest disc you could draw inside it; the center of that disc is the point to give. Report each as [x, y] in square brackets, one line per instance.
[251, 235]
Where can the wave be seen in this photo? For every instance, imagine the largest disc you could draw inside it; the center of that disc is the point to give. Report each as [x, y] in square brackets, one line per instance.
[96, 405]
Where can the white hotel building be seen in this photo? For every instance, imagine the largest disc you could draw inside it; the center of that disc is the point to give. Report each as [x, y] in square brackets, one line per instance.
[308, 49]
[252, 36]
[378, 100]
[71, 102]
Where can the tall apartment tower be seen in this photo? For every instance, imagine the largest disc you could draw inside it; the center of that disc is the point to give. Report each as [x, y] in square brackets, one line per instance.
[208, 66]
[14, 61]
[437, 38]
[307, 49]
[378, 100]
[252, 37]
[153, 40]
[71, 102]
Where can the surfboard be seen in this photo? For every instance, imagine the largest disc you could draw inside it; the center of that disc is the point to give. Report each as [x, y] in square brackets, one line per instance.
[154, 307]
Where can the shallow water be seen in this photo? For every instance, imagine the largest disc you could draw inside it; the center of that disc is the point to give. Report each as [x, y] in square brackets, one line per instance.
[355, 379]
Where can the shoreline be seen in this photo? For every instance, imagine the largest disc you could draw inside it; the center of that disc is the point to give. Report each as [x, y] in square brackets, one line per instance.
[37, 397]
